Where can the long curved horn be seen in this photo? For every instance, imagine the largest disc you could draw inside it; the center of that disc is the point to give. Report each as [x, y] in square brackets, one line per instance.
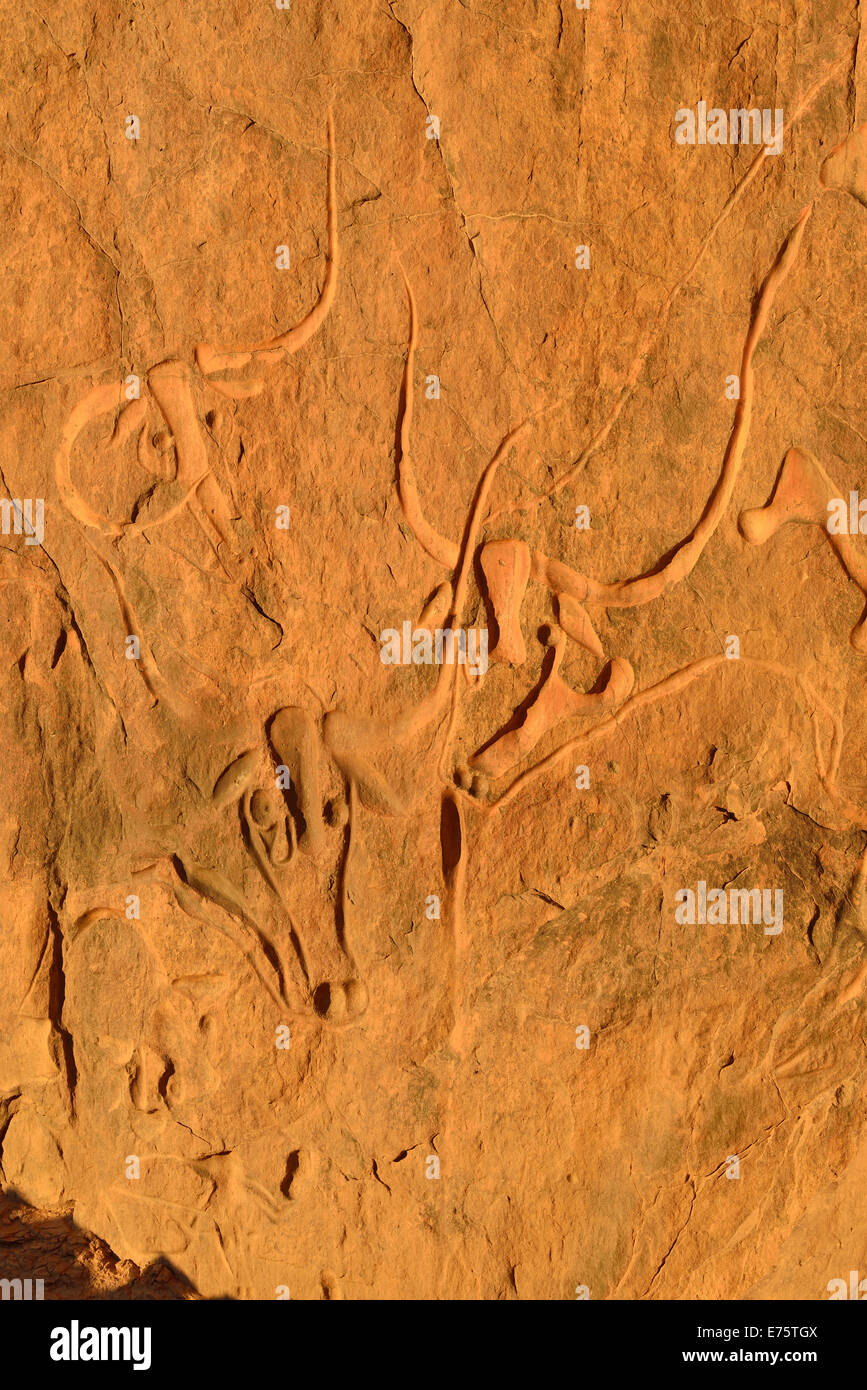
[213, 359]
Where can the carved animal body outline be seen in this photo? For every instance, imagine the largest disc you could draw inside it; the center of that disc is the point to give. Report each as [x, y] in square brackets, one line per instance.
[353, 741]
[354, 753]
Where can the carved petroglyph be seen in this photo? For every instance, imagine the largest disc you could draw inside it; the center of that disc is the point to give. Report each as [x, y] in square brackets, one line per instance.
[290, 815]
[506, 567]
[173, 386]
[553, 702]
[572, 590]
[234, 780]
[296, 744]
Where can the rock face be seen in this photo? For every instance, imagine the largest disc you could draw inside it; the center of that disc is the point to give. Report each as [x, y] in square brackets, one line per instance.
[432, 795]
[53, 1260]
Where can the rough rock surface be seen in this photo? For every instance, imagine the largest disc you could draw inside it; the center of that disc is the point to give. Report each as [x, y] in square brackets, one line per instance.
[330, 977]
[47, 1246]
